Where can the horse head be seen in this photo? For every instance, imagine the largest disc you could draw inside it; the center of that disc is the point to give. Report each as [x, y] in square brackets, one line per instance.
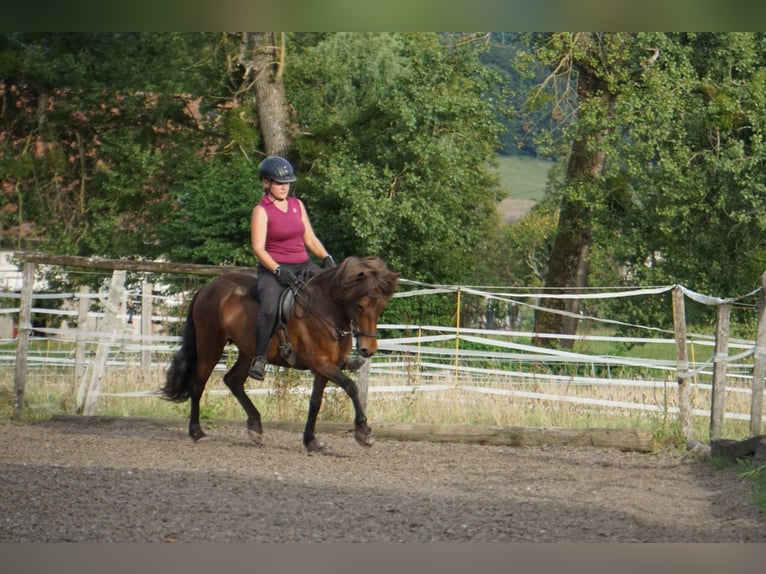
[363, 286]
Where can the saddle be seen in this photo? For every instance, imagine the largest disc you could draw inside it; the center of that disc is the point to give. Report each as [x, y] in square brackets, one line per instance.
[284, 306]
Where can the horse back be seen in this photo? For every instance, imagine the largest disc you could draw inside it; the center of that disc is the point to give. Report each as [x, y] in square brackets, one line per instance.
[228, 303]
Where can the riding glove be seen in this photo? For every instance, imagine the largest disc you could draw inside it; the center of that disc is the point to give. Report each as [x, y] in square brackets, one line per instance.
[286, 277]
[328, 262]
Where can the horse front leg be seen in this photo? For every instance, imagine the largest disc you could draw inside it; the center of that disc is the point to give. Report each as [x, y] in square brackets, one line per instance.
[315, 403]
[362, 432]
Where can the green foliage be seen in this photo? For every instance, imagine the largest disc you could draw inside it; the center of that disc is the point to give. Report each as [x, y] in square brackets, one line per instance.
[212, 214]
[680, 194]
[137, 145]
[700, 205]
[96, 127]
[400, 144]
[239, 123]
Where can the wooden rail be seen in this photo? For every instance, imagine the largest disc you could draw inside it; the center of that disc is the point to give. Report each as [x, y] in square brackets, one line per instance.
[129, 264]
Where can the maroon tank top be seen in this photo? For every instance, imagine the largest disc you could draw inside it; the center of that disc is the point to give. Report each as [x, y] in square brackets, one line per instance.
[284, 232]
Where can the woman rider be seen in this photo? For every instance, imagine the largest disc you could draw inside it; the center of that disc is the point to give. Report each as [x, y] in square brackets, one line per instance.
[281, 234]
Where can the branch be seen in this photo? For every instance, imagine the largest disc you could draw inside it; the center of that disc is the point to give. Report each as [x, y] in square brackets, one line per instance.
[651, 59]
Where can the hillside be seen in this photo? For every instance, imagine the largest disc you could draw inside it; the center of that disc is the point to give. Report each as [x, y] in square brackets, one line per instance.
[524, 178]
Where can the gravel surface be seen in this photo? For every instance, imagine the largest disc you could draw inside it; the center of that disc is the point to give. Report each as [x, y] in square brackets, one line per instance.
[133, 481]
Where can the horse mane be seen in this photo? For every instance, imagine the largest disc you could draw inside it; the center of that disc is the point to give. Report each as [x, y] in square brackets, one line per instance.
[356, 277]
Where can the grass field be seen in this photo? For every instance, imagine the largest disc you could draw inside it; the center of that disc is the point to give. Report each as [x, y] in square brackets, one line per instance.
[524, 177]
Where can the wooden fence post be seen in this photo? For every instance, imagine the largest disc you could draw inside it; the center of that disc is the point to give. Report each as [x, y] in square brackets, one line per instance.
[22, 341]
[759, 367]
[80, 367]
[146, 330]
[107, 335]
[719, 371]
[682, 363]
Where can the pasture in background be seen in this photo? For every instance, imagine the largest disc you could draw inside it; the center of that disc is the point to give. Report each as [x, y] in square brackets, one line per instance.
[524, 179]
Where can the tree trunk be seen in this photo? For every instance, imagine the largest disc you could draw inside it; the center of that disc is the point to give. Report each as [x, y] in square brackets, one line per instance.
[265, 62]
[570, 254]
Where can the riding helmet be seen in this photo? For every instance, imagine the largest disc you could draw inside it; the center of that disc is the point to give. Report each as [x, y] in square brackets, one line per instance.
[277, 169]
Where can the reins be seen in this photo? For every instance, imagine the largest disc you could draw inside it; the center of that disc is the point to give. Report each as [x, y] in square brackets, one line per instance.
[339, 333]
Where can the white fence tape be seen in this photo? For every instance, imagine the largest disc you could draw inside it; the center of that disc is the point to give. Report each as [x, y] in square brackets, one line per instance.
[430, 360]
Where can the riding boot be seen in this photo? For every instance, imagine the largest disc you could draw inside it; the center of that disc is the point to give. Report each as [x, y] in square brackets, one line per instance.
[353, 362]
[258, 368]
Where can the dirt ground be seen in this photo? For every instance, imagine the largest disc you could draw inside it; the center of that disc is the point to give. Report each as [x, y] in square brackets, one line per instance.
[130, 481]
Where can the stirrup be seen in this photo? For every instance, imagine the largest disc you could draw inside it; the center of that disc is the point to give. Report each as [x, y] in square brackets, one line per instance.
[353, 363]
[257, 368]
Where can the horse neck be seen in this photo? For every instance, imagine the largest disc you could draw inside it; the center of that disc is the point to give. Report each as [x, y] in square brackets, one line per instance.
[322, 304]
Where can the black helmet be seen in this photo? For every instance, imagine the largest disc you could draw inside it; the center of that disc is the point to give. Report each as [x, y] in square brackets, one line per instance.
[276, 168]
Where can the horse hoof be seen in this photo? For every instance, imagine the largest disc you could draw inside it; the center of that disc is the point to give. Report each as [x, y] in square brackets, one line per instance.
[315, 446]
[256, 437]
[198, 437]
[364, 438]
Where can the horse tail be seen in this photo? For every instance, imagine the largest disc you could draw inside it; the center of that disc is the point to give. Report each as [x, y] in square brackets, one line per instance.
[181, 370]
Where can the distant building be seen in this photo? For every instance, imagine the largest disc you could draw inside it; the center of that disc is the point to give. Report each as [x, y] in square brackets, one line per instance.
[11, 282]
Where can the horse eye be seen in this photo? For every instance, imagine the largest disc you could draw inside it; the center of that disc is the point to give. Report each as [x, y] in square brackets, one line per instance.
[359, 309]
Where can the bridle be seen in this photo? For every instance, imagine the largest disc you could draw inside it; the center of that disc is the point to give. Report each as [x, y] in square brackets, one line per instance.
[339, 333]
[355, 332]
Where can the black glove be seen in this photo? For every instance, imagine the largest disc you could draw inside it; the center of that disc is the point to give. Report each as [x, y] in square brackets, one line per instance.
[328, 262]
[286, 277]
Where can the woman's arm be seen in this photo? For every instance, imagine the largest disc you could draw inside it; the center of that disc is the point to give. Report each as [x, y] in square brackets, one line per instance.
[258, 225]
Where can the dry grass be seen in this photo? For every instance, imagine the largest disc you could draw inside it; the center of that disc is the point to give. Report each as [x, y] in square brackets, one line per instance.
[513, 210]
[284, 397]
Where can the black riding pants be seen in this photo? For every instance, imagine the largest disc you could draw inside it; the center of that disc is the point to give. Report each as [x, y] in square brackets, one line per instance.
[269, 290]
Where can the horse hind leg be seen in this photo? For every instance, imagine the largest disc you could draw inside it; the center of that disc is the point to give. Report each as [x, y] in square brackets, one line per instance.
[195, 429]
[205, 366]
[235, 380]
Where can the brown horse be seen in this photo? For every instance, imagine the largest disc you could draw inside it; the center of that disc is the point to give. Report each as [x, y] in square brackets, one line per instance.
[331, 309]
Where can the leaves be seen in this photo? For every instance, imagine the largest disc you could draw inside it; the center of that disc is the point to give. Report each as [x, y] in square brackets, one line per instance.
[405, 133]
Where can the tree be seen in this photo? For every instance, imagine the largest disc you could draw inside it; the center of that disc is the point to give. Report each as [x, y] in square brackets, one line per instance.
[95, 127]
[264, 63]
[678, 196]
[212, 214]
[397, 138]
[705, 191]
[591, 75]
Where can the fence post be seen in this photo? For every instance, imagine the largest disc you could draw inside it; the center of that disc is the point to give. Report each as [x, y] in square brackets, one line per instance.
[22, 338]
[364, 383]
[457, 340]
[80, 366]
[107, 333]
[146, 330]
[719, 371]
[759, 368]
[682, 363]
